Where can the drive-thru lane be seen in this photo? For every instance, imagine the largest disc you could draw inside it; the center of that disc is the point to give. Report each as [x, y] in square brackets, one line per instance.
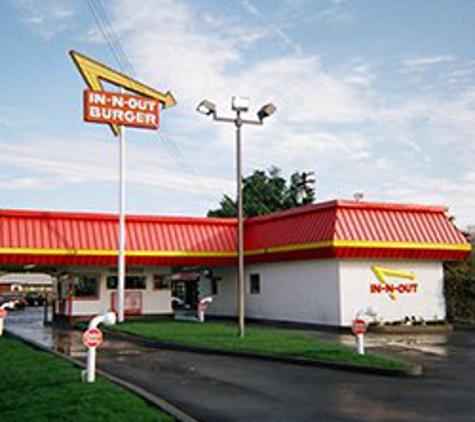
[218, 388]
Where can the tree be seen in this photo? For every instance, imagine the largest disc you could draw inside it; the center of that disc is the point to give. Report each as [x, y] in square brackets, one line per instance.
[459, 289]
[269, 192]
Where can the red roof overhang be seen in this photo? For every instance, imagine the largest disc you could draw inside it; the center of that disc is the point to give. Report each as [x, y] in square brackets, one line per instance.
[336, 229]
[353, 230]
[58, 239]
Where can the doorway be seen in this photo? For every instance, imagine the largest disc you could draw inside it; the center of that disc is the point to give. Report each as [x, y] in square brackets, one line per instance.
[186, 289]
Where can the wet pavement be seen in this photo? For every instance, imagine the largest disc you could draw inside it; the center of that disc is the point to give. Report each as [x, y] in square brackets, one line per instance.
[219, 388]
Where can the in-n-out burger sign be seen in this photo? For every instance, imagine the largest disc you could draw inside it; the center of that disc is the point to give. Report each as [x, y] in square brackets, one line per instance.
[121, 109]
[394, 288]
[139, 106]
[385, 284]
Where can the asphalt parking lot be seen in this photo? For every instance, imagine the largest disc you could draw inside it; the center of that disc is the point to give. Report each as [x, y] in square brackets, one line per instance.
[219, 388]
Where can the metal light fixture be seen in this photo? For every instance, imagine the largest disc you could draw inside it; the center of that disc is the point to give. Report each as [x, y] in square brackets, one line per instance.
[266, 111]
[239, 105]
[206, 107]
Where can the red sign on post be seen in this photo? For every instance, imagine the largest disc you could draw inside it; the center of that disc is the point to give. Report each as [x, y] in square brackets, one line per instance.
[92, 337]
[3, 313]
[121, 109]
[359, 326]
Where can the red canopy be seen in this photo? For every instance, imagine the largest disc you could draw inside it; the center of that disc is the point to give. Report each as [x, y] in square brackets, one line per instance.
[336, 229]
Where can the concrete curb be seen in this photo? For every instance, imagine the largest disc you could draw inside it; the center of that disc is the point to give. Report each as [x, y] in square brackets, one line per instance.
[170, 409]
[415, 371]
[464, 326]
[411, 329]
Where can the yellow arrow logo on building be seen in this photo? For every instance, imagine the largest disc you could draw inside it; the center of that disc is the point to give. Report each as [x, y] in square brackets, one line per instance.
[94, 73]
[382, 273]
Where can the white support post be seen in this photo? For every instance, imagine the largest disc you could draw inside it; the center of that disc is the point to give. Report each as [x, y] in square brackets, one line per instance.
[91, 365]
[107, 319]
[122, 229]
[360, 344]
[202, 306]
[3, 315]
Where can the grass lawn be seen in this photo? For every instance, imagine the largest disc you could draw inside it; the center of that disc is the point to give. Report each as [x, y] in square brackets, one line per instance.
[259, 340]
[36, 386]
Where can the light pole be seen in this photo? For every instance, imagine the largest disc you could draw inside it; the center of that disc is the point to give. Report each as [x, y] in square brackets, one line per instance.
[239, 105]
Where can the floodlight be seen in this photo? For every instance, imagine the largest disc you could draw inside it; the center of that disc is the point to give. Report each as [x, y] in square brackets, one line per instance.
[206, 107]
[240, 104]
[266, 111]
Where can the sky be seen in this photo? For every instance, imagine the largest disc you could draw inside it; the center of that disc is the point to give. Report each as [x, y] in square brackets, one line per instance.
[374, 96]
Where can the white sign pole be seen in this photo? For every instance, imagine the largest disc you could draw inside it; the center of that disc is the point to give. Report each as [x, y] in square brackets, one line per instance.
[122, 235]
[91, 365]
[360, 343]
[3, 315]
[92, 338]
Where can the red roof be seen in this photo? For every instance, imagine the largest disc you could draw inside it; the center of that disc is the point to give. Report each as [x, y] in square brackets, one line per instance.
[53, 238]
[338, 229]
[349, 229]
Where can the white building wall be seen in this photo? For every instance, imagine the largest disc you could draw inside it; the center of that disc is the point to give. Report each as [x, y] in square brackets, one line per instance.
[427, 301]
[328, 292]
[224, 303]
[301, 291]
[154, 302]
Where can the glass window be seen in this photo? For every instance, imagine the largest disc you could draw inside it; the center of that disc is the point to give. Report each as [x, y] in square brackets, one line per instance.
[132, 282]
[214, 286]
[86, 286]
[161, 282]
[255, 284]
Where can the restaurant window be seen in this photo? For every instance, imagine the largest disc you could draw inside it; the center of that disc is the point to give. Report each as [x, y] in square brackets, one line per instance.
[255, 284]
[214, 286]
[132, 282]
[86, 286]
[161, 282]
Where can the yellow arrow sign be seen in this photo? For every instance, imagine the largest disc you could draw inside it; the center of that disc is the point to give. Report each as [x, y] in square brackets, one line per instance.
[94, 73]
[382, 273]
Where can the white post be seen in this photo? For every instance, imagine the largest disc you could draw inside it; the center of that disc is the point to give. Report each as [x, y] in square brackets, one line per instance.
[122, 233]
[202, 305]
[91, 364]
[108, 319]
[201, 313]
[3, 315]
[360, 344]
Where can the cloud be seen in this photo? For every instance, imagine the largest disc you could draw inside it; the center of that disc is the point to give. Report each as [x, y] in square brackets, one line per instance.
[334, 16]
[325, 119]
[94, 162]
[48, 18]
[418, 188]
[273, 28]
[347, 121]
[426, 61]
[167, 52]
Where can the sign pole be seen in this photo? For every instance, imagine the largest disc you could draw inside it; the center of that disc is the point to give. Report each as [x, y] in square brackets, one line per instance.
[3, 315]
[92, 339]
[359, 329]
[360, 343]
[119, 110]
[122, 233]
[91, 365]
